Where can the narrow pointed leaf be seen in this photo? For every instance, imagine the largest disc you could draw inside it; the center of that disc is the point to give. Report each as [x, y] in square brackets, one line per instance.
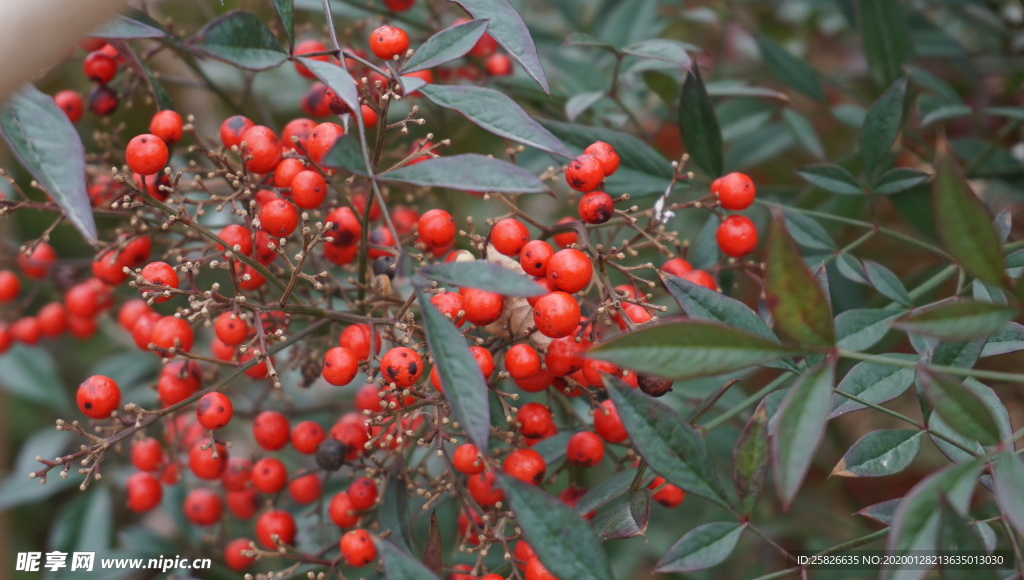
[464, 384]
[1009, 338]
[509, 30]
[346, 154]
[240, 38]
[881, 126]
[561, 538]
[963, 223]
[957, 320]
[432, 553]
[671, 51]
[496, 112]
[800, 426]
[286, 12]
[937, 425]
[790, 70]
[698, 124]
[468, 172]
[915, 524]
[886, 37]
[961, 408]
[862, 328]
[882, 512]
[899, 179]
[393, 513]
[579, 103]
[701, 548]
[807, 232]
[957, 536]
[399, 565]
[625, 518]
[670, 446]
[886, 282]
[689, 349]
[874, 383]
[700, 303]
[446, 45]
[1009, 481]
[882, 452]
[796, 300]
[337, 78]
[750, 459]
[831, 178]
[43, 139]
[609, 489]
[485, 276]
[123, 27]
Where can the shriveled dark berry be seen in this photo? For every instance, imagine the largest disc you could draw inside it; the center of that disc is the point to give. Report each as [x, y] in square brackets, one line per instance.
[330, 454]
[384, 266]
[652, 385]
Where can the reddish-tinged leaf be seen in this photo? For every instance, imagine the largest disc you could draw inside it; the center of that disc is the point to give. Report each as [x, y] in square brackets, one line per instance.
[798, 303]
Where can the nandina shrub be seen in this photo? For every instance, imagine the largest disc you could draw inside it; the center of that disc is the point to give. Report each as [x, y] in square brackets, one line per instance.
[396, 287]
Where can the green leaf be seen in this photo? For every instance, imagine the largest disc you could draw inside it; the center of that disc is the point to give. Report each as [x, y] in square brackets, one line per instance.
[862, 328]
[701, 548]
[957, 319]
[338, 79]
[393, 513]
[933, 108]
[791, 70]
[807, 232]
[915, 524]
[959, 406]
[957, 536]
[750, 459]
[700, 303]
[1011, 112]
[464, 384]
[881, 126]
[560, 537]
[398, 564]
[804, 133]
[286, 12]
[874, 383]
[689, 349]
[584, 39]
[1009, 480]
[31, 373]
[662, 85]
[509, 30]
[240, 38]
[883, 28]
[963, 223]
[881, 512]
[796, 300]
[937, 426]
[553, 448]
[734, 88]
[123, 27]
[446, 46]
[670, 446]
[485, 276]
[1007, 339]
[42, 138]
[831, 178]
[899, 179]
[578, 104]
[625, 518]
[497, 113]
[346, 154]
[698, 125]
[642, 170]
[17, 489]
[882, 452]
[609, 489]
[468, 172]
[663, 49]
[799, 427]
[887, 283]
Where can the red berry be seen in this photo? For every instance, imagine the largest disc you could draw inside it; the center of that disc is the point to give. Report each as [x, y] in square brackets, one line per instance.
[147, 454]
[99, 67]
[677, 267]
[596, 207]
[214, 410]
[401, 366]
[306, 436]
[363, 493]
[237, 474]
[322, 139]
[669, 495]
[606, 154]
[346, 228]
[525, 465]
[306, 47]
[607, 423]
[71, 103]
[26, 330]
[340, 366]
[556, 314]
[315, 102]
[570, 270]
[357, 548]
[341, 511]
[356, 338]
[286, 171]
[309, 189]
[735, 191]
[466, 459]
[508, 236]
[481, 306]
[279, 218]
[234, 554]
[522, 361]
[10, 286]
[737, 236]
[167, 126]
[534, 257]
[103, 101]
[534, 420]
[449, 304]
[159, 274]
[305, 489]
[294, 136]
[271, 430]
[585, 449]
[370, 117]
[144, 491]
[146, 154]
[245, 503]
[203, 463]
[232, 130]
[269, 475]
[37, 261]
[436, 228]
[98, 396]
[202, 507]
[53, 319]
[482, 487]
[178, 381]
[170, 332]
[275, 523]
[701, 277]
[231, 329]
[498, 65]
[536, 571]
[388, 42]
[261, 149]
[566, 237]
[584, 173]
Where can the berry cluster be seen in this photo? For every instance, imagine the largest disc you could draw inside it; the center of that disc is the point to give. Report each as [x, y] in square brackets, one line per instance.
[305, 251]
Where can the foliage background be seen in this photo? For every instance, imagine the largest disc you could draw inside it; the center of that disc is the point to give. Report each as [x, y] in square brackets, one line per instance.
[777, 115]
